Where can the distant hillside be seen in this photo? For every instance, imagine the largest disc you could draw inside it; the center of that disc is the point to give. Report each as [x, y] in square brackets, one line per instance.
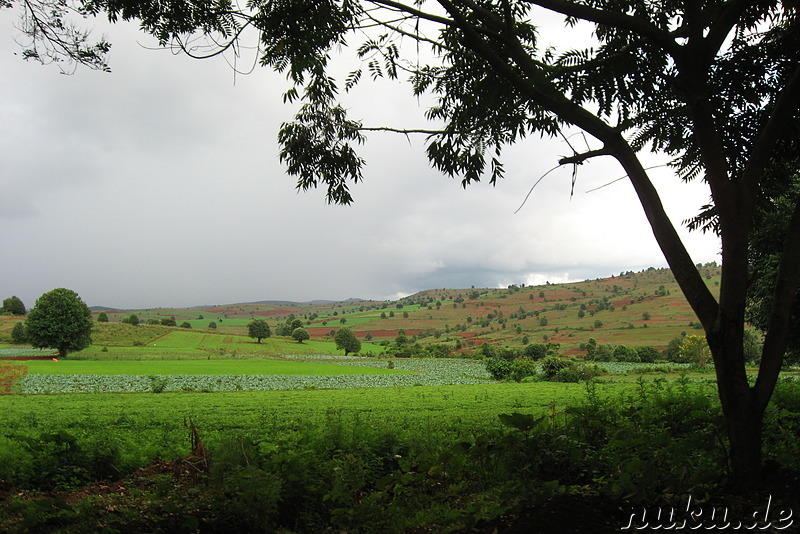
[634, 308]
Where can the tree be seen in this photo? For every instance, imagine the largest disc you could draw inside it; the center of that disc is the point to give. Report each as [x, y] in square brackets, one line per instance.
[186, 324]
[712, 84]
[19, 334]
[102, 317]
[647, 354]
[258, 329]
[535, 351]
[347, 341]
[169, 321]
[60, 320]
[212, 325]
[13, 305]
[132, 319]
[694, 349]
[300, 334]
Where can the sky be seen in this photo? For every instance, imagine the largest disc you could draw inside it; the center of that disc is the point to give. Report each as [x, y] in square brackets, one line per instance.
[159, 185]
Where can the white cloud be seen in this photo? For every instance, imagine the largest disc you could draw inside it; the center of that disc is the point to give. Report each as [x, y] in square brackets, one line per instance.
[159, 185]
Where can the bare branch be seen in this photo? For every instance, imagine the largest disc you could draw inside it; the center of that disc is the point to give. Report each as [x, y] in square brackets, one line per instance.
[578, 159]
[534, 186]
[403, 130]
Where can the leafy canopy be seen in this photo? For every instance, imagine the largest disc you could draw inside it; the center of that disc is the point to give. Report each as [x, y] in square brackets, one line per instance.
[59, 320]
[258, 329]
[13, 305]
[300, 334]
[347, 341]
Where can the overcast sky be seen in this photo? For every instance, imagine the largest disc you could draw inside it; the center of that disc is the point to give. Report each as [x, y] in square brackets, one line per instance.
[159, 185]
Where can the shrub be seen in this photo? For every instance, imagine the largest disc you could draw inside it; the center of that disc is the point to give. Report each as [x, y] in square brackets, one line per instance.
[604, 353]
[647, 354]
[18, 333]
[624, 353]
[535, 351]
[498, 368]
[522, 368]
[551, 366]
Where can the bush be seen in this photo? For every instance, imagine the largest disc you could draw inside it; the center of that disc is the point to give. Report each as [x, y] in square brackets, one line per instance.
[535, 351]
[523, 368]
[498, 368]
[603, 353]
[551, 366]
[647, 354]
[673, 351]
[624, 353]
[18, 333]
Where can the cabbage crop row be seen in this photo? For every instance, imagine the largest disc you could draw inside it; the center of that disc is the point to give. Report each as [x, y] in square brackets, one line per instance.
[432, 373]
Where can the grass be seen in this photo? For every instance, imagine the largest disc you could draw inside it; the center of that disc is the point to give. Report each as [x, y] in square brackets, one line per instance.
[115, 341]
[140, 417]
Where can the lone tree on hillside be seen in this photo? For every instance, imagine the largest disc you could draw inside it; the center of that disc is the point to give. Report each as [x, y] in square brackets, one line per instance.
[13, 305]
[102, 317]
[347, 341]
[713, 84]
[59, 320]
[258, 329]
[300, 334]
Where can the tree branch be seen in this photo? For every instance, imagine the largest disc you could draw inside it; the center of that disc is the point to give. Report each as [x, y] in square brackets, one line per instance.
[402, 130]
[784, 113]
[404, 8]
[616, 20]
[726, 21]
[578, 159]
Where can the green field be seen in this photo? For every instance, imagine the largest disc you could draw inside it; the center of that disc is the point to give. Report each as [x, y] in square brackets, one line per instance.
[198, 367]
[411, 408]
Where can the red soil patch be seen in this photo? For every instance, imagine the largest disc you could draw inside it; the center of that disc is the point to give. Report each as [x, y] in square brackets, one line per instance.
[270, 313]
[26, 358]
[9, 374]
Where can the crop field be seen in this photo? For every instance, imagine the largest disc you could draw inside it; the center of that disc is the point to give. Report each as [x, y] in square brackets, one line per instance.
[198, 367]
[156, 420]
[81, 376]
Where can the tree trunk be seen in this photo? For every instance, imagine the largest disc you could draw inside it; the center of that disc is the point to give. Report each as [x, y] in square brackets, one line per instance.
[741, 408]
[744, 422]
[62, 353]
